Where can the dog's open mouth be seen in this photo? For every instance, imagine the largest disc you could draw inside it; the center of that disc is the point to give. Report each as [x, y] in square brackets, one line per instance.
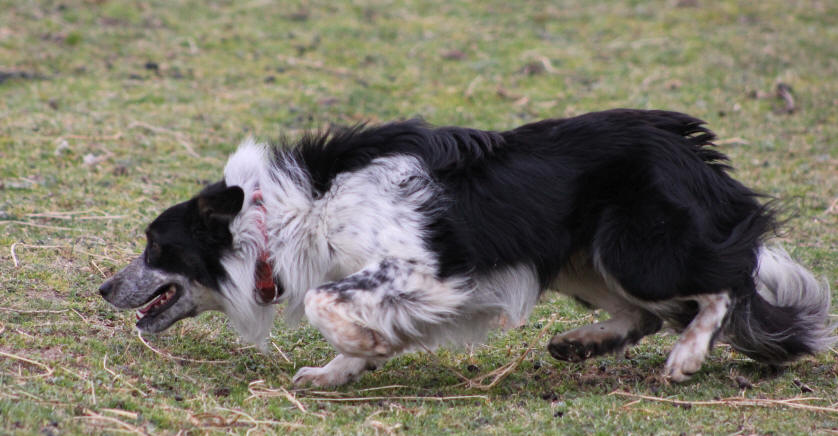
[161, 300]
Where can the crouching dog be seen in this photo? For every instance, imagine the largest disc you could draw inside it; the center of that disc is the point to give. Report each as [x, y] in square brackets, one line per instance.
[404, 236]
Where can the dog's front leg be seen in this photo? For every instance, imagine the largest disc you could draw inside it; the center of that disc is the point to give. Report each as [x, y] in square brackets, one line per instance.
[376, 313]
[337, 309]
[341, 370]
[361, 347]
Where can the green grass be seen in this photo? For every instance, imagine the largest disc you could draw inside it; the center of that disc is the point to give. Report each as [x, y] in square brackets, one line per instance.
[154, 95]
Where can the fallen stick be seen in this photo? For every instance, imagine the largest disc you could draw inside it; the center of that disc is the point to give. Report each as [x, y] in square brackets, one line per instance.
[736, 402]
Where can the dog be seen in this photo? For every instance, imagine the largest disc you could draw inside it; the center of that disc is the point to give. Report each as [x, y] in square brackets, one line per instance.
[405, 237]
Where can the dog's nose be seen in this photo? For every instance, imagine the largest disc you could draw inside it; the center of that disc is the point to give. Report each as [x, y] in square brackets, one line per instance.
[106, 288]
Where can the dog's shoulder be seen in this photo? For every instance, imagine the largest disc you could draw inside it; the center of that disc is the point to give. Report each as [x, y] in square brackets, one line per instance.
[337, 150]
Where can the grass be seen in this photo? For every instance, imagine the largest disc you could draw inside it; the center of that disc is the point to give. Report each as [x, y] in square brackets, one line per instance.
[110, 110]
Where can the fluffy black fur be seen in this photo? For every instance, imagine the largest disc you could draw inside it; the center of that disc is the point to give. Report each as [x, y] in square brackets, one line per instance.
[626, 184]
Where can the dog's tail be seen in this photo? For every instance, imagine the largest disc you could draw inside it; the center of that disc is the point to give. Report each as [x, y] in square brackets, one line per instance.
[787, 318]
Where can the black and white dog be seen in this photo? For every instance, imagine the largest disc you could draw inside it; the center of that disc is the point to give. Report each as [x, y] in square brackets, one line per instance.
[403, 236]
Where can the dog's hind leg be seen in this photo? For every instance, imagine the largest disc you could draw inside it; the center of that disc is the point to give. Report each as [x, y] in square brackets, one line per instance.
[696, 340]
[377, 313]
[628, 323]
[612, 336]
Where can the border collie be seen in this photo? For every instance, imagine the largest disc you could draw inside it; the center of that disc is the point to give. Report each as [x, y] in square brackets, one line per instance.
[404, 236]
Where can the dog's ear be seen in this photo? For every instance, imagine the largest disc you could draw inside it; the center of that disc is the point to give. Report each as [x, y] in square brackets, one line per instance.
[220, 206]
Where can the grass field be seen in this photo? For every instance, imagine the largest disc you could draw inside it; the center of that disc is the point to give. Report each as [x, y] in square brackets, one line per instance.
[112, 110]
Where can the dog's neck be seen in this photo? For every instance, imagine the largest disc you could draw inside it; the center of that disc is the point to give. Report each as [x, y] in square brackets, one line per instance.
[281, 229]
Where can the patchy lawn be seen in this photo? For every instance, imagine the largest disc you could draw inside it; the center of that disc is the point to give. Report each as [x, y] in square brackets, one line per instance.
[111, 110]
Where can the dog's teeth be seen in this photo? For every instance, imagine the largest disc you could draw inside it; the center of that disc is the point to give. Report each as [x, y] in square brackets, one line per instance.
[159, 301]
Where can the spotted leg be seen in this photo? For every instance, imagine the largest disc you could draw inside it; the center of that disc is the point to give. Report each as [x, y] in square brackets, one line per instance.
[375, 314]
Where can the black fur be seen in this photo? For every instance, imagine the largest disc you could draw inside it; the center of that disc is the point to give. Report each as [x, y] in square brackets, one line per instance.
[638, 188]
[190, 238]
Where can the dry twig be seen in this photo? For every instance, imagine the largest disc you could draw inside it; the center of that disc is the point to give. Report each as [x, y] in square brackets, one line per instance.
[472, 85]
[48, 370]
[40, 226]
[14, 256]
[119, 377]
[71, 215]
[177, 135]
[279, 350]
[504, 371]
[380, 388]
[16, 395]
[548, 66]
[98, 269]
[456, 372]
[258, 390]
[182, 359]
[320, 66]
[794, 403]
[401, 397]
[120, 412]
[72, 248]
[258, 422]
[114, 137]
[731, 141]
[93, 416]
[9, 309]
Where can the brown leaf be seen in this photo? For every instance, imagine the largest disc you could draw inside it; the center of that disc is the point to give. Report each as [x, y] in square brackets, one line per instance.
[454, 55]
[784, 92]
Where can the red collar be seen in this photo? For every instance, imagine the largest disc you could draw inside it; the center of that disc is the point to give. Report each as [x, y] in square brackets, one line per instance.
[267, 290]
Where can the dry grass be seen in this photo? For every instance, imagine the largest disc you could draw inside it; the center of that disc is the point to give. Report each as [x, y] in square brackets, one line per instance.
[111, 110]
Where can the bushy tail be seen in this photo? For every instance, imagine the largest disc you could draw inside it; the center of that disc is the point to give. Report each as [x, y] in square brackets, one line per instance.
[788, 317]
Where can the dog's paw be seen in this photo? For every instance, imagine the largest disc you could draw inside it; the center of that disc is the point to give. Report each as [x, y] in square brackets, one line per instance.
[319, 377]
[682, 363]
[570, 351]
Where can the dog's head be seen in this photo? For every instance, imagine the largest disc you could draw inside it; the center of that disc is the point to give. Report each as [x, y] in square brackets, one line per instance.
[178, 273]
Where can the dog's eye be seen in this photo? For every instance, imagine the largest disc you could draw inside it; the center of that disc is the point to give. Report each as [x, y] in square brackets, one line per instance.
[152, 253]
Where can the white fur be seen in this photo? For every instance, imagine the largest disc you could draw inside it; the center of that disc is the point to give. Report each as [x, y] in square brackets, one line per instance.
[510, 292]
[783, 282]
[341, 370]
[296, 240]
[246, 169]
[694, 343]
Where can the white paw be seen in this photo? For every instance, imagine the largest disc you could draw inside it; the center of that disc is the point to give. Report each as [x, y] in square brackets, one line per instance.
[319, 377]
[682, 363]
